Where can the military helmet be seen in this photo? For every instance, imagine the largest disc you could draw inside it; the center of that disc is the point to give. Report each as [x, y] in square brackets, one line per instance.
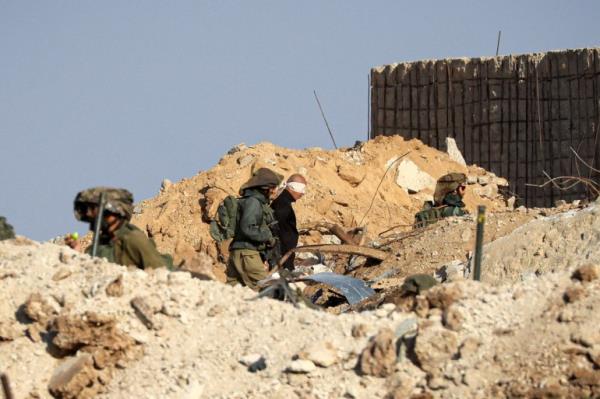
[417, 283]
[263, 177]
[447, 184]
[118, 201]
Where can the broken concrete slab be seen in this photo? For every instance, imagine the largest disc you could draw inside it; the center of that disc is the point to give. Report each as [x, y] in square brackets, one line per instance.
[453, 151]
[411, 178]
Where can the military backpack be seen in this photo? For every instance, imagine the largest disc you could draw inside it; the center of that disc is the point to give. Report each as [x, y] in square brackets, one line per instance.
[223, 226]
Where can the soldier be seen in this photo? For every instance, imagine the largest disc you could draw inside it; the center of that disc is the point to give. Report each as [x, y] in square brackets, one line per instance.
[6, 230]
[286, 218]
[447, 200]
[253, 237]
[449, 192]
[120, 241]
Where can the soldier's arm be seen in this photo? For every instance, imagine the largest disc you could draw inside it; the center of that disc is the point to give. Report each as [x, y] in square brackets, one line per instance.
[251, 221]
[144, 252]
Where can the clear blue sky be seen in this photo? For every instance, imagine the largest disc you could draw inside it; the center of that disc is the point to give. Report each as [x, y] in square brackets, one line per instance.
[126, 93]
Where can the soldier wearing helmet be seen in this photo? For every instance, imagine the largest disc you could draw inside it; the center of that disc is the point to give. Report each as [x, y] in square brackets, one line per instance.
[253, 236]
[449, 192]
[447, 200]
[120, 241]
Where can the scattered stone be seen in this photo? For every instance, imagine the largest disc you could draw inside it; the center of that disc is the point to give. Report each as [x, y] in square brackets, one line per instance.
[434, 347]
[442, 296]
[245, 160]
[352, 174]
[586, 336]
[215, 310]
[469, 347]
[573, 294]
[301, 366]
[379, 356]
[359, 330]
[471, 179]
[61, 274]
[8, 332]
[322, 353]
[510, 203]
[437, 383]
[249, 359]
[73, 377]
[237, 148]
[115, 288]
[165, 184]
[484, 180]
[560, 203]
[587, 273]
[144, 313]
[39, 309]
[452, 318]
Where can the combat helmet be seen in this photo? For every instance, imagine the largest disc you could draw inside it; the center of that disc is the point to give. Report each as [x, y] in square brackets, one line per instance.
[263, 177]
[446, 184]
[118, 201]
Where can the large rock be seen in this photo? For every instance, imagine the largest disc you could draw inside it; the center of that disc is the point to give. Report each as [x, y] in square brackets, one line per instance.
[413, 179]
[435, 346]
[352, 174]
[74, 378]
[379, 356]
[453, 151]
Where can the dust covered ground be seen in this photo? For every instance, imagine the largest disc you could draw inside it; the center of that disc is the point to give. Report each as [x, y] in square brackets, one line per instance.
[129, 333]
[76, 327]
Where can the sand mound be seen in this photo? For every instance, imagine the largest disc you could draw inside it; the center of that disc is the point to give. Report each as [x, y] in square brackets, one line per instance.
[341, 186]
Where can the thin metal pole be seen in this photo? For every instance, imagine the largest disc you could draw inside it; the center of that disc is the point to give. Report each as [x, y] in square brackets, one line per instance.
[479, 242]
[498, 44]
[369, 106]
[98, 223]
[8, 394]
[325, 119]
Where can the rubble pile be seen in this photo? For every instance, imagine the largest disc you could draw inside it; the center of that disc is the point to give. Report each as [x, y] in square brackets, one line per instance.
[342, 185]
[72, 326]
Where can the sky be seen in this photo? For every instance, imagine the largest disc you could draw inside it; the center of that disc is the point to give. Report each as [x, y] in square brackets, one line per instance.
[128, 93]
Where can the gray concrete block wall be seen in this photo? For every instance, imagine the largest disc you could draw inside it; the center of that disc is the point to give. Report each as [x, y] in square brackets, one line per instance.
[515, 115]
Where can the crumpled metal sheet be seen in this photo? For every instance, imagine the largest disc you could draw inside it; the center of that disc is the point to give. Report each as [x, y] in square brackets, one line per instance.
[353, 289]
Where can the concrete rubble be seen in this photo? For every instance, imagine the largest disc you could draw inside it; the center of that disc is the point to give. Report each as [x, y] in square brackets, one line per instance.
[72, 326]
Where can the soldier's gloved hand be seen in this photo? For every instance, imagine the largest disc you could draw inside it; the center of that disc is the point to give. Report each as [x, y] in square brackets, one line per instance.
[272, 242]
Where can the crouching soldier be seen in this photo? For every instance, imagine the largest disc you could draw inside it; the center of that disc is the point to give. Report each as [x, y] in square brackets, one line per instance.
[120, 241]
[447, 200]
[253, 237]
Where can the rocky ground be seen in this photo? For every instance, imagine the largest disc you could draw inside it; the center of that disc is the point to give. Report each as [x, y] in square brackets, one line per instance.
[80, 327]
[367, 186]
[76, 327]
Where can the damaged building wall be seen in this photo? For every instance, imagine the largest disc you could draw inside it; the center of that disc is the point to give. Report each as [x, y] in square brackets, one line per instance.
[515, 115]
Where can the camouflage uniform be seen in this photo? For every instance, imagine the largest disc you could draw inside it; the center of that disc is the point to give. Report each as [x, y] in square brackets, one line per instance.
[446, 201]
[6, 230]
[253, 235]
[128, 246]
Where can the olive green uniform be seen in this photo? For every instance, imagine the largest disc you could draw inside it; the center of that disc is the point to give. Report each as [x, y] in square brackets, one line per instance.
[130, 247]
[6, 230]
[252, 236]
[453, 205]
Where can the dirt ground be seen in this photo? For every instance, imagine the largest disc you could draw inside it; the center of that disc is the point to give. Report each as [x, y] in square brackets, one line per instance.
[73, 326]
